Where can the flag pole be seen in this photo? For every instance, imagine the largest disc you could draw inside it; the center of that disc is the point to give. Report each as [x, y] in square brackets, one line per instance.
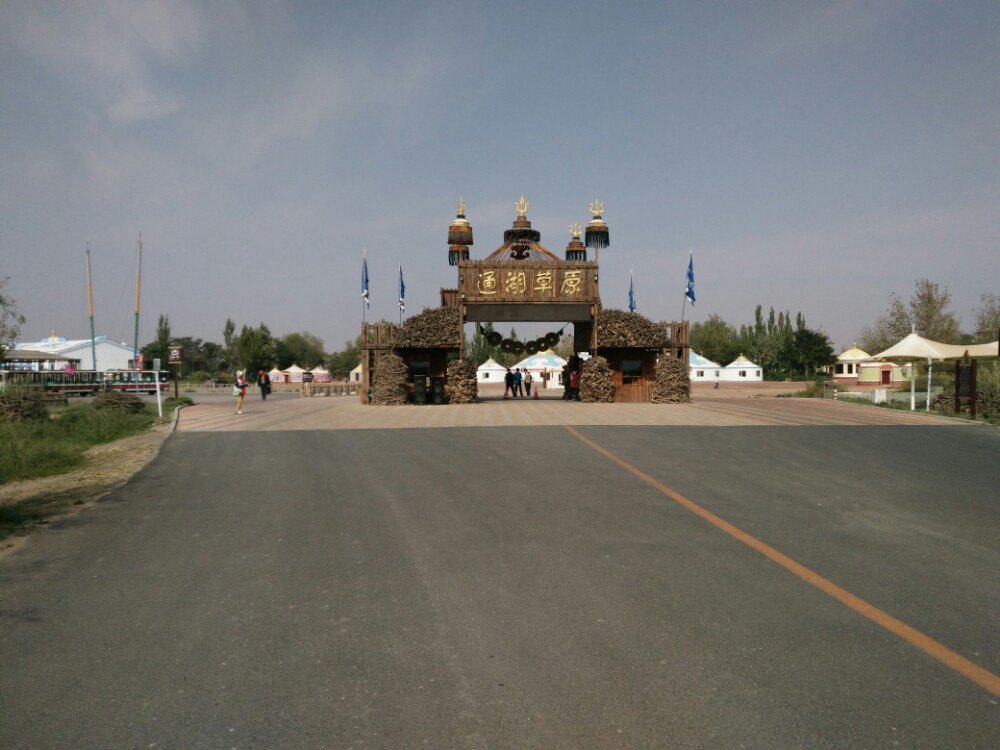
[401, 295]
[90, 304]
[364, 284]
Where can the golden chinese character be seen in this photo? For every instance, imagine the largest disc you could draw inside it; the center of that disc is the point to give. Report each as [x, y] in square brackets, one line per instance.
[515, 283]
[543, 282]
[571, 283]
[487, 283]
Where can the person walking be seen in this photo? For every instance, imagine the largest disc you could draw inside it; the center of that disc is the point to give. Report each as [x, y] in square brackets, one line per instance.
[508, 383]
[517, 383]
[239, 390]
[264, 381]
[574, 385]
[527, 383]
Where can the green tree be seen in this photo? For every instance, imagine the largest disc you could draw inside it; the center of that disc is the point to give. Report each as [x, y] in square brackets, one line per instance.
[157, 349]
[927, 314]
[302, 348]
[11, 319]
[478, 349]
[987, 318]
[342, 362]
[256, 349]
[813, 349]
[715, 339]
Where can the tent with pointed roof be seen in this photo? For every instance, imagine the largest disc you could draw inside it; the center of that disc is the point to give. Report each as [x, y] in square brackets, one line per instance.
[742, 370]
[276, 376]
[701, 369]
[490, 371]
[293, 374]
[546, 368]
[355, 376]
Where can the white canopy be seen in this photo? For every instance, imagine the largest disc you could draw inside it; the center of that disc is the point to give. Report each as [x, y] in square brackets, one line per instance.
[917, 347]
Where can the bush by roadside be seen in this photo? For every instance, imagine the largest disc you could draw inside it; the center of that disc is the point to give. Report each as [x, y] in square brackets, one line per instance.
[56, 444]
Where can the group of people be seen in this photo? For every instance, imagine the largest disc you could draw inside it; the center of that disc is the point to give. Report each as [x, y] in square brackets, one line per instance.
[240, 387]
[518, 383]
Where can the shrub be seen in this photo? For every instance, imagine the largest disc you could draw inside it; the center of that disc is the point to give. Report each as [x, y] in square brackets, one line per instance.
[127, 403]
[23, 403]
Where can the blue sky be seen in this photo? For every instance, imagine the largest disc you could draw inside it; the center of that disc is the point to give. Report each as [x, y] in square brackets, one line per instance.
[813, 156]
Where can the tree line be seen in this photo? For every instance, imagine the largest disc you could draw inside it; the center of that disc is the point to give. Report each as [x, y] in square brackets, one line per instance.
[253, 348]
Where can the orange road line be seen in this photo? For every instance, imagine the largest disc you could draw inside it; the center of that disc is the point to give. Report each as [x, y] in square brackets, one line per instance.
[982, 677]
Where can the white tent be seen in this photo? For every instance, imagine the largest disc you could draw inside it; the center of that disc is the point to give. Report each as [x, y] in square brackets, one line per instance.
[355, 375]
[276, 376]
[742, 370]
[294, 374]
[321, 374]
[490, 372]
[702, 369]
[545, 368]
[917, 347]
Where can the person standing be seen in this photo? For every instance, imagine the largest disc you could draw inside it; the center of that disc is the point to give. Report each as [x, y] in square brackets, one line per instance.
[508, 383]
[239, 390]
[264, 381]
[574, 385]
[527, 383]
[517, 383]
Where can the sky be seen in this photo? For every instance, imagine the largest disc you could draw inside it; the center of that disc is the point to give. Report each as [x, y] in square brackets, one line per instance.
[813, 156]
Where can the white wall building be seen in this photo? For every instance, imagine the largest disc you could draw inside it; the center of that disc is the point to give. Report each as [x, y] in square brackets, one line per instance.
[110, 354]
[490, 372]
[702, 369]
[742, 370]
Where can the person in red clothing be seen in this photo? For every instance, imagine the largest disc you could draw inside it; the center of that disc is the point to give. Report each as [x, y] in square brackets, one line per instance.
[239, 390]
[574, 385]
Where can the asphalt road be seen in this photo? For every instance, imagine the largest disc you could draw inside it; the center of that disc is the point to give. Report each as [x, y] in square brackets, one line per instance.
[513, 588]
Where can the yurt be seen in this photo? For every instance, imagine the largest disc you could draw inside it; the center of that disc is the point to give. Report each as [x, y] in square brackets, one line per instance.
[741, 370]
[276, 376]
[355, 376]
[293, 374]
[545, 368]
[490, 372]
[702, 369]
[321, 375]
[848, 366]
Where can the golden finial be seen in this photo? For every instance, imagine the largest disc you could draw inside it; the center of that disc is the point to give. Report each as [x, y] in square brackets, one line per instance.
[575, 230]
[521, 207]
[461, 207]
[597, 208]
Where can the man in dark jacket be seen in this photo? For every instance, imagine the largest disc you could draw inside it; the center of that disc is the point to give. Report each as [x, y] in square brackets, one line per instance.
[508, 383]
[264, 381]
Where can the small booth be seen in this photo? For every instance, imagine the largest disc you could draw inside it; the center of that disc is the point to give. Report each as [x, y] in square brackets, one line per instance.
[848, 366]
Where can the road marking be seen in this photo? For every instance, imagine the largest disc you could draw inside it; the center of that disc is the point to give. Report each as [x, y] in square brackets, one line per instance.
[982, 677]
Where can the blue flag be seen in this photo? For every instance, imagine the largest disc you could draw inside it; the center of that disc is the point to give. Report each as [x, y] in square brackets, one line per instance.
[631, 293]
[364, 280]
[402, 291]
[690, 286]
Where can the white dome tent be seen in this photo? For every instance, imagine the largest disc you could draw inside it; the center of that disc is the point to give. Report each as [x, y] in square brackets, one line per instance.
[293, 374]
[701, 369]
[742, 370]
[545, 368]
[490, 371]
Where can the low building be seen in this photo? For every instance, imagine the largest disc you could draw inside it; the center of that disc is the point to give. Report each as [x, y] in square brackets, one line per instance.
[741, 370]
[884, 373]
[490, 371]
[848, 364]
[32, 361]
[702, 369]
[111, 355]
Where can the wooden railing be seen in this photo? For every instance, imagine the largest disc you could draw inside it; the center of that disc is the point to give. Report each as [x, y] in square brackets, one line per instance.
[309, 390]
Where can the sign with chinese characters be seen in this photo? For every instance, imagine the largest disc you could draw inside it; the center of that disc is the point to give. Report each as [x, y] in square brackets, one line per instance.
[524, 282]
[175, 355]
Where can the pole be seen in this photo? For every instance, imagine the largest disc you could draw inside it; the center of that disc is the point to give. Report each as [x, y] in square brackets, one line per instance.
[135, 340]
[930, 369]
[90, 304]
[159, 403]
[913, 387]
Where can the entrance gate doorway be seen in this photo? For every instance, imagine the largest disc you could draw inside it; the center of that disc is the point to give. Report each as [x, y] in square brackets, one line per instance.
[522, 281]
